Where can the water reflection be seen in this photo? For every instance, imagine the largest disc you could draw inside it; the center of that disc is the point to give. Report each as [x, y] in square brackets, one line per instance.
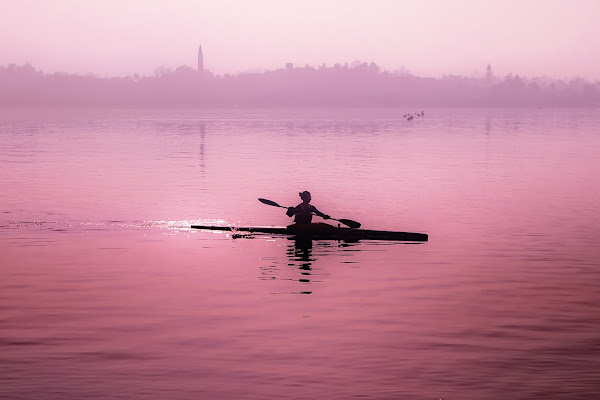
[305, 263]
[300, 256]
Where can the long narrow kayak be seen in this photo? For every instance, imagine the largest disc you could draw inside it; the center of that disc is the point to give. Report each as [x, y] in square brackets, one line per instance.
[321, 231]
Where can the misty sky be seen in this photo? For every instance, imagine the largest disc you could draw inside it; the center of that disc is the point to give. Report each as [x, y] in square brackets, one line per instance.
[552, 38]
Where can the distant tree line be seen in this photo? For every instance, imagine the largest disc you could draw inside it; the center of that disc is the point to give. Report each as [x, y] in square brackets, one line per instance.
[360, 84]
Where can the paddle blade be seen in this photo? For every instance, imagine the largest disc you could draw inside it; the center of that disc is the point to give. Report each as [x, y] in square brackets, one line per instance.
[350, 223]
[269, 202]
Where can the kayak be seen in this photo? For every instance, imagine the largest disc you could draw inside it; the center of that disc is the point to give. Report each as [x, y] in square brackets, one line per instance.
[321, 231]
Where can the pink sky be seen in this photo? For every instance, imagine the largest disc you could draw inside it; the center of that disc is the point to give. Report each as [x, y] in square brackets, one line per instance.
[554, 38]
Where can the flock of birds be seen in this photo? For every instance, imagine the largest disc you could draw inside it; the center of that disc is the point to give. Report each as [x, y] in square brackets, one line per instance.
[409, 117]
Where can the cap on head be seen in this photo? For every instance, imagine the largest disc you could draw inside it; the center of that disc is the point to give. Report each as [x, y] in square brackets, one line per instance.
[304, 195]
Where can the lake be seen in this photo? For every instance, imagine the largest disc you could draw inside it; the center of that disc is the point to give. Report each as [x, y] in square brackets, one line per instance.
[107, 293]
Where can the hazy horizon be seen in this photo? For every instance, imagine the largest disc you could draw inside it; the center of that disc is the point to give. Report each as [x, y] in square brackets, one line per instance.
[429, 38]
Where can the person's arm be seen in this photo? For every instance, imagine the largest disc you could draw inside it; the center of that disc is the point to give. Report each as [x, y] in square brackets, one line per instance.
[290, 211]
[319, 213]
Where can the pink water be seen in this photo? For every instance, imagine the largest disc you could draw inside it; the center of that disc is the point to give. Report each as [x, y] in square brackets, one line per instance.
[106, 292]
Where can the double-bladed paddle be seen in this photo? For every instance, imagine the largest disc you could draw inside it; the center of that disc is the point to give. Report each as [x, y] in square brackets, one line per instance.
[348, 222]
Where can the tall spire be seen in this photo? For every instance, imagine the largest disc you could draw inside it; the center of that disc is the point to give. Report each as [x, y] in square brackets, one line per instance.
[200, 59]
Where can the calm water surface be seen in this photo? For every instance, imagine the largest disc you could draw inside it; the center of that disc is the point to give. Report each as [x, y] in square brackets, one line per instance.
[106, 293]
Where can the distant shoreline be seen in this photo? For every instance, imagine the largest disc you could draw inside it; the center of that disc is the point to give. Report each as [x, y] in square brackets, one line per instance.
[364, 85]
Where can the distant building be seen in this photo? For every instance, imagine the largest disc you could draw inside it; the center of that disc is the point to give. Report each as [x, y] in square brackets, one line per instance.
[289, 66]
[200, 59]
[488, 73]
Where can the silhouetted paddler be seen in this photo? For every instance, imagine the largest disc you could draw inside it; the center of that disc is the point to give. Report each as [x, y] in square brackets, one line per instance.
[305, 210]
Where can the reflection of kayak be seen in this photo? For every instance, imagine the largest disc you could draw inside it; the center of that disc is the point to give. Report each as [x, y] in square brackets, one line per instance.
[323, 232]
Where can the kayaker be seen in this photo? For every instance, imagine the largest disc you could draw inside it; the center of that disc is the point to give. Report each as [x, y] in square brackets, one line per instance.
[303, 212]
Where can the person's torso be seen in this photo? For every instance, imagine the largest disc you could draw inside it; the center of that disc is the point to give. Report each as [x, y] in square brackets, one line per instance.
[303, 213]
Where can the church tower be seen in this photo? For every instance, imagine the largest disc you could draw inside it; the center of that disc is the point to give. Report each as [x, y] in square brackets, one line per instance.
[200, 59]
[488, 74]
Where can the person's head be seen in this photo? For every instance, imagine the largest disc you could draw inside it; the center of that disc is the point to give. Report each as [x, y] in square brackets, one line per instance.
[305, 196]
